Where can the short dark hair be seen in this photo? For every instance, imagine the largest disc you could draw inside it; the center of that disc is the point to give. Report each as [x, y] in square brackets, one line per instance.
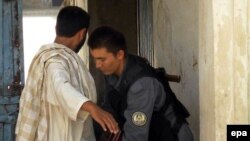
[70, 20]
[109, 38]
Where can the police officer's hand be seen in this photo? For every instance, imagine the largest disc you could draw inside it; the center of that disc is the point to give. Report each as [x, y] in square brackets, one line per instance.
[102, 117]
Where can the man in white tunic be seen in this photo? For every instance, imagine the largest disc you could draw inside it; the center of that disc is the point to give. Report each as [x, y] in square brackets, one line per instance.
[57, 102]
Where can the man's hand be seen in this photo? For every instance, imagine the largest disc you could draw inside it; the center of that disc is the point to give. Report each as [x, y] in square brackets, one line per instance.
[102, 117]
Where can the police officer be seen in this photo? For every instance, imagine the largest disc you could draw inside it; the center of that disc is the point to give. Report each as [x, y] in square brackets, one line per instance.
[135, 96]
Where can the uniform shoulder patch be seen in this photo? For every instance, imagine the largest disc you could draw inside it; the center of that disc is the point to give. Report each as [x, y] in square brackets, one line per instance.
[139, 118]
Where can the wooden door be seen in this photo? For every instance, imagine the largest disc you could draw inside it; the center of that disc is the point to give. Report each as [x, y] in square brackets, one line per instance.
[11, 66]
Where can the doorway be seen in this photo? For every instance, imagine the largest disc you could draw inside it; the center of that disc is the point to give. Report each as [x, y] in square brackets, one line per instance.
[39, 19]
[120, 14]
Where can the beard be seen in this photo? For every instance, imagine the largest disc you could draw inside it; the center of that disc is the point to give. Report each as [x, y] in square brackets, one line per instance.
[79, 46]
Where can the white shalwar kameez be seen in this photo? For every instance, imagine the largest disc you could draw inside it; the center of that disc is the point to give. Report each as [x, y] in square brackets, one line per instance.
[65, 85]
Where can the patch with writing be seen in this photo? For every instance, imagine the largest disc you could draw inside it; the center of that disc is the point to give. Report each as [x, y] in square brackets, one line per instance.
[139, 118]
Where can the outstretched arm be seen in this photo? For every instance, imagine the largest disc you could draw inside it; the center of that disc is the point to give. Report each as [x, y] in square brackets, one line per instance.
[70, 99]
[102, 117]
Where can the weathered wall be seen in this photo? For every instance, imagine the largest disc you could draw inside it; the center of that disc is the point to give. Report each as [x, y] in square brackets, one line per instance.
[207, 43]
[206, 67]
[224, 66]
[175, 27]
[248, 50]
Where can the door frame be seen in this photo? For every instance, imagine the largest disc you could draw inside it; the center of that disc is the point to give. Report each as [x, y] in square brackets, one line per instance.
[145, 29]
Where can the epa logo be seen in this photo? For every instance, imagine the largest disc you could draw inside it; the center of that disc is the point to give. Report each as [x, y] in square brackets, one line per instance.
[238, 134]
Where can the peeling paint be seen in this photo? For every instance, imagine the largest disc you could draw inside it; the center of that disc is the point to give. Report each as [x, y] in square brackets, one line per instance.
[176, 42]
[10, 74]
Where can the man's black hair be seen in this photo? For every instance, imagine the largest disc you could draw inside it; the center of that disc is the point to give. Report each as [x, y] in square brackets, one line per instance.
[109, 38]
[70, 20]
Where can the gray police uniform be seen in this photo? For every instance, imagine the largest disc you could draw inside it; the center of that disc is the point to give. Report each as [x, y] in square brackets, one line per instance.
[141, 102]
[144, 96]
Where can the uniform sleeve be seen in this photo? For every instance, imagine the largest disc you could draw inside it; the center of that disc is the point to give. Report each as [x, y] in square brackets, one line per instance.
[68, 98]
[145, 95]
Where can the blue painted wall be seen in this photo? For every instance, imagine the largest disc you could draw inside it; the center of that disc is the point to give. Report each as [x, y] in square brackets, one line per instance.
[11, 65]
